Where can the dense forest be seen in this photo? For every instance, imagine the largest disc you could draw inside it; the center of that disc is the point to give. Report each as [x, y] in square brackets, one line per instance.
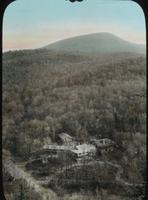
[47, 92]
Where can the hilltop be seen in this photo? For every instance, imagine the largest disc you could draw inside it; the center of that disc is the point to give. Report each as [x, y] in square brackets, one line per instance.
[96, 43]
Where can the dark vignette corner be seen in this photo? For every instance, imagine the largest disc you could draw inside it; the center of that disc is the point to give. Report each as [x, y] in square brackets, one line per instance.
[142, 4]
[3, 6]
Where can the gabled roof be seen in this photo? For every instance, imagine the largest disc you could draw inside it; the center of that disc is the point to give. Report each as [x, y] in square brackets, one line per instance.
[65, 137]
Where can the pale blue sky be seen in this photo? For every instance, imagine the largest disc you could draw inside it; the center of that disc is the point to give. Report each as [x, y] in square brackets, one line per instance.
[35, 23]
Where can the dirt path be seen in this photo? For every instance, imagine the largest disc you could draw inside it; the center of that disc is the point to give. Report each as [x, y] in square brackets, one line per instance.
[118, 178]
[19, 173]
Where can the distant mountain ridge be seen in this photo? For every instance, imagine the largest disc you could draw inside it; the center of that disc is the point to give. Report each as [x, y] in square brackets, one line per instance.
[97, 43]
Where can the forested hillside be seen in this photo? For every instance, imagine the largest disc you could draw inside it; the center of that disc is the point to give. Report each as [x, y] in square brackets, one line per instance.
[46, 93]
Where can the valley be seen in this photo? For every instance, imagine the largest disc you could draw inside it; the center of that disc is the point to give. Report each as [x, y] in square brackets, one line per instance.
[90, 97]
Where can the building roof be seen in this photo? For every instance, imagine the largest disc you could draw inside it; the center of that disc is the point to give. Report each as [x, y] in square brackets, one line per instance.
[65, 137]
[57, 147]
[84, 148]
[78, 149]
[105, 142]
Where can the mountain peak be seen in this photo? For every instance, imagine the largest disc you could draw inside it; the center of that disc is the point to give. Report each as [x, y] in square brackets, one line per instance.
[102, 42]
